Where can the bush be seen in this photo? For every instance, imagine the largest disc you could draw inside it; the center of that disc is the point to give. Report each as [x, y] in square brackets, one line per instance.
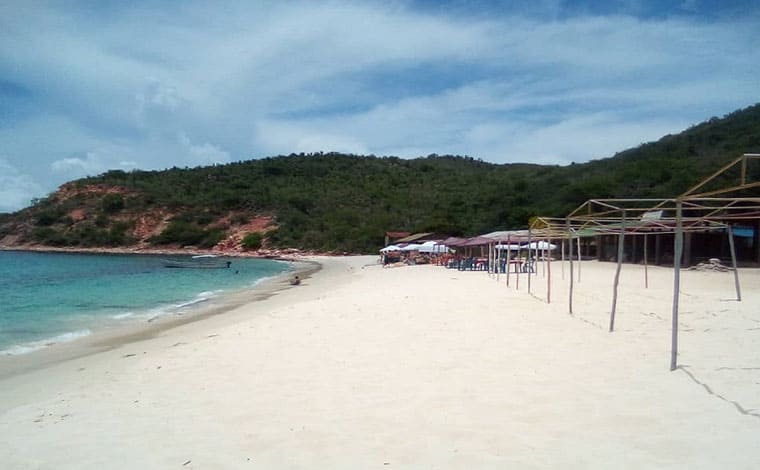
[212, 237]
[180, 232]
[47, 217]
[252, 241]
[185, 234]
[49, 236]
[112, 203]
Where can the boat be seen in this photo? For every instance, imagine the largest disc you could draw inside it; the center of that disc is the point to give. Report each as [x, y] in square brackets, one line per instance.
[198, 262]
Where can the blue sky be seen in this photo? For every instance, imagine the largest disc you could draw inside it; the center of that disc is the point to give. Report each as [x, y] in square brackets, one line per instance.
[91, 86]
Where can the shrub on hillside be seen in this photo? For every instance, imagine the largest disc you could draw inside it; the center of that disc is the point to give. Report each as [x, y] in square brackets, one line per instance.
[252, 241]
[112, 203]
[185, 234]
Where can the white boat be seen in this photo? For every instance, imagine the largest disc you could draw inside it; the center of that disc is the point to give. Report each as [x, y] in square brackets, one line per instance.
[198, 262]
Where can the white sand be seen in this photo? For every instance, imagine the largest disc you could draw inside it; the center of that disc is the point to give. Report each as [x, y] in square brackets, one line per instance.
[414, 367]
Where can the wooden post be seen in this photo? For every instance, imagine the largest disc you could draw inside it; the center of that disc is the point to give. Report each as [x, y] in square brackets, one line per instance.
[646, 264]
[490, 260]
[733, 263]
[498, 262]
[677, 249]
[563, 259]
[517, 271]
[570, 257]
[549, 275]
[621, 244]
[545, 263]
[509, 255]
[579, 259]
[529, 255]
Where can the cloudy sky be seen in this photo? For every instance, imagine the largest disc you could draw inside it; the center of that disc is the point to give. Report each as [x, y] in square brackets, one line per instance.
[95, 85]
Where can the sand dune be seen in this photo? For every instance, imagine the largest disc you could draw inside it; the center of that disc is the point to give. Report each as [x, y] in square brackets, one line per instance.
[415, 367]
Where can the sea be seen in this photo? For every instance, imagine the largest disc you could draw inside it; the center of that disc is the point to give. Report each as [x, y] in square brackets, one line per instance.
[49, 298]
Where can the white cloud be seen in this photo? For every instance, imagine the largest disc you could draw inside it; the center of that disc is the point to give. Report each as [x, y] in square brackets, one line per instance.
[16, 188]
[201, 154]
[91, 164]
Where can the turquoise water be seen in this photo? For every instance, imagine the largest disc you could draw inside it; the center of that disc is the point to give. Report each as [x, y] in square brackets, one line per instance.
[54, 297]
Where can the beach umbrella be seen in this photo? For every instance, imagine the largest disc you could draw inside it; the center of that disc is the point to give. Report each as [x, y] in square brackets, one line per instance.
[540, 245]
[411, 247]
[510, 247]
[390, 248]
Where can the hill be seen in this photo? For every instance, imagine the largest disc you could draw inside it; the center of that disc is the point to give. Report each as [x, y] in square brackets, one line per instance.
[338, 202]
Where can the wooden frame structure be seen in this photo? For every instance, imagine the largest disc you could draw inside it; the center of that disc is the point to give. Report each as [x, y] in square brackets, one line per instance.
[727, 195]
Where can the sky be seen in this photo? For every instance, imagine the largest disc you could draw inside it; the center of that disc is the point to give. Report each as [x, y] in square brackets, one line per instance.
[88, 86]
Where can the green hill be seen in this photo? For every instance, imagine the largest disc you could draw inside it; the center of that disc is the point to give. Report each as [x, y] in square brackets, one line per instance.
[337, 202]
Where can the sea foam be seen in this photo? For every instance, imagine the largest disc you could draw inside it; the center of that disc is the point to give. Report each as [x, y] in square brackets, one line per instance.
[25, 348]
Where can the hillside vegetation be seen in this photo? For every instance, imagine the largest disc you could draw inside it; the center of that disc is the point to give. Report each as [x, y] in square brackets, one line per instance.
[337, 202]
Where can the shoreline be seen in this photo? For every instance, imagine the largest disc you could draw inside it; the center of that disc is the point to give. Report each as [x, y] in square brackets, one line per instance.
[277, 254]
[113, 336]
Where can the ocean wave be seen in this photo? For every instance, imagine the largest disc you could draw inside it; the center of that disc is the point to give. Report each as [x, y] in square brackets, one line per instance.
[258, 281]
[122, 316]
[25, 348]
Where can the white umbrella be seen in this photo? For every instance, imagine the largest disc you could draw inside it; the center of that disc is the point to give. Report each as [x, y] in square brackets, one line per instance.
[510, 247]
[411, 247]
[390, 248]
[541, 245]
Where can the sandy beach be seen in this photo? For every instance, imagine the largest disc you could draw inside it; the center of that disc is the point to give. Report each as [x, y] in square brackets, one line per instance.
[413, 367]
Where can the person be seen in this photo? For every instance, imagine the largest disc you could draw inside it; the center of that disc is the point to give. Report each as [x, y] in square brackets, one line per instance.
[295, 281]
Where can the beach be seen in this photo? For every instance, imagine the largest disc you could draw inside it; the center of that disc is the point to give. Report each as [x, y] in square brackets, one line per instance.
[362, 366]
